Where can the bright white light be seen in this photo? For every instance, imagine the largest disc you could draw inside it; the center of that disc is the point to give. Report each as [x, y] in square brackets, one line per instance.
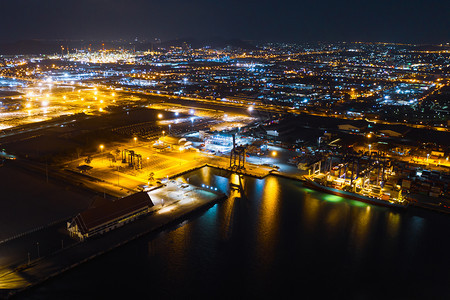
[44, 103]
[250, 108]
[166, 209]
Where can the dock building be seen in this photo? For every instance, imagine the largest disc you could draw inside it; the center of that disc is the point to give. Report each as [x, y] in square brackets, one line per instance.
[109, 215]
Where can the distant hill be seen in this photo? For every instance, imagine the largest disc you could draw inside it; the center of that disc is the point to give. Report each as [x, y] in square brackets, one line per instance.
[432, 47]
[29, 47]
[54, 46]
[216, 43]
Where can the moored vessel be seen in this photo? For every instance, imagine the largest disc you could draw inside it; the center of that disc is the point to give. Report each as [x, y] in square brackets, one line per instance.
[370, 198]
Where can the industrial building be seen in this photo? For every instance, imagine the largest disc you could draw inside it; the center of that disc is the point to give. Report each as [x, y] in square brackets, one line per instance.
[172, 143]
[104, 216]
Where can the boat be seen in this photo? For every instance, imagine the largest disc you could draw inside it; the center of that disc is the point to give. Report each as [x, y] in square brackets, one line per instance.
[350, 195]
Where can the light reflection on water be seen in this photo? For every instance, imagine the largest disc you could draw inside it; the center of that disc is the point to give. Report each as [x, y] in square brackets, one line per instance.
[277, 235]
[268, 220]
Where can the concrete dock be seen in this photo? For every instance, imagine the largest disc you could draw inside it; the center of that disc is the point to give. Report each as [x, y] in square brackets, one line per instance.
[173, 203]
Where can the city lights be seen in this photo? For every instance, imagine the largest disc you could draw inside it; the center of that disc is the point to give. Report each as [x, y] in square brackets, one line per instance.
[337, 126]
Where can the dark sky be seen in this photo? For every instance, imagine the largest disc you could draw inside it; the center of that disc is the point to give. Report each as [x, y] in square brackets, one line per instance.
[417, 21]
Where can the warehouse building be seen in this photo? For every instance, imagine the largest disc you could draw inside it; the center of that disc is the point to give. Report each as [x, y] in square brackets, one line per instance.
[106, 215]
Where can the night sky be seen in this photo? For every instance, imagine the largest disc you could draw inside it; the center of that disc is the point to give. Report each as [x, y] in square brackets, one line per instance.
[416, 21]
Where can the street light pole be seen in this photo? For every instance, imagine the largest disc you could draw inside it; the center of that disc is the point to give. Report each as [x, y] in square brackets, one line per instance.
[118, 174]
[101, 149]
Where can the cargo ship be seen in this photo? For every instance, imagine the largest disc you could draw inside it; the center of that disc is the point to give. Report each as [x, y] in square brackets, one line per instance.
[309, 182]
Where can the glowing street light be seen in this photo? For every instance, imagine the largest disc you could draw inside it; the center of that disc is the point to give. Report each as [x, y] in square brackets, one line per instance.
[274, 153]
[101, 149]
[135, 139]
[160, 116]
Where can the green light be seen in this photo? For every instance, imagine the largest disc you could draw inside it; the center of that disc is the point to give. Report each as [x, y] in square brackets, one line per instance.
[357, 203]
[333, 198]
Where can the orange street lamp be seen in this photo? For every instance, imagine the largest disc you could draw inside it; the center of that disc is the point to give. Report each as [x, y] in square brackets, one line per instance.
[101, 149]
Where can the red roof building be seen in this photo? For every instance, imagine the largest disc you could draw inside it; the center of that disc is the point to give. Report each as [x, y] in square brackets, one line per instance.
[109, 215]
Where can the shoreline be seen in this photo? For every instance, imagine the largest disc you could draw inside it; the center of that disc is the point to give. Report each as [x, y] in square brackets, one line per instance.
[62, 260]
[92, 248]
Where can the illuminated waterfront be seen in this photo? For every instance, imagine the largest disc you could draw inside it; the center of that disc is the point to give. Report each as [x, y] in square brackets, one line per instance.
[279, 236]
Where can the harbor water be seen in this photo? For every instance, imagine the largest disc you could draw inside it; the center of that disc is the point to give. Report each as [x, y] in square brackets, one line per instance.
[273, 237]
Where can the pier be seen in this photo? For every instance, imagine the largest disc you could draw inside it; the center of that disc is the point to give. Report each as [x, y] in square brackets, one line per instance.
[22, 275]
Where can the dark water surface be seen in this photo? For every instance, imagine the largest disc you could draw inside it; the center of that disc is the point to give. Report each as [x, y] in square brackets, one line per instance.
[278, 239]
